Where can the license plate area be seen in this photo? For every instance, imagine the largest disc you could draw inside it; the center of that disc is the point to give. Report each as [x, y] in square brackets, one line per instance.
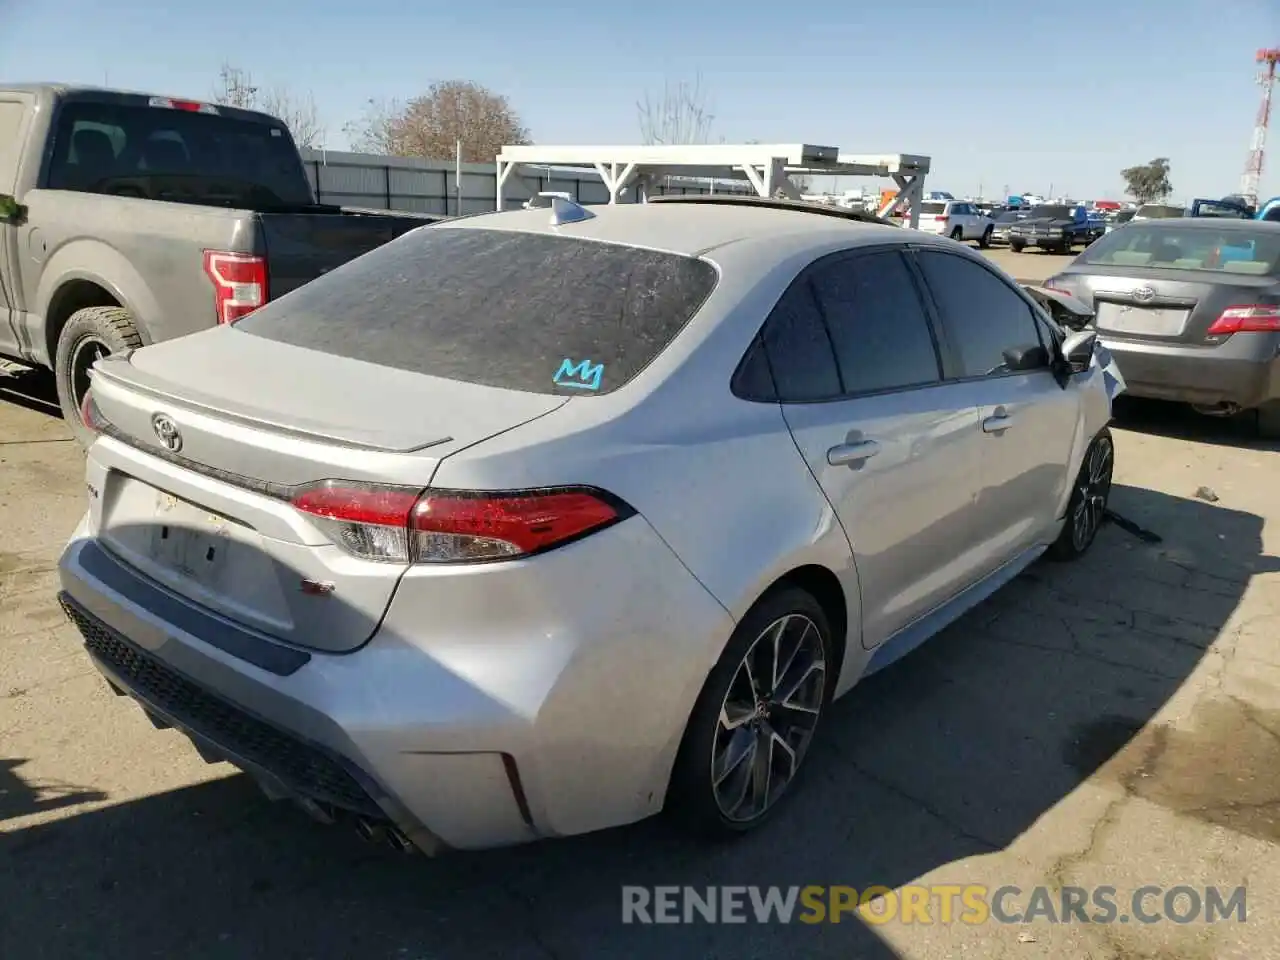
[219, 562]
[1148, 321]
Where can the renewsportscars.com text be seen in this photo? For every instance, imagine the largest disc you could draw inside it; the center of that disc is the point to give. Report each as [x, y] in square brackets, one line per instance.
[939, 903]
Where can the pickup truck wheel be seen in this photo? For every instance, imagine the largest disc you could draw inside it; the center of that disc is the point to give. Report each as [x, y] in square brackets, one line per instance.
[1067, 244]
[89, 335]
[984, 241]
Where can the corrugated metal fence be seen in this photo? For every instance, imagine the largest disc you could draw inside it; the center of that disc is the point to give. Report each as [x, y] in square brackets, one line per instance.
[430, 186]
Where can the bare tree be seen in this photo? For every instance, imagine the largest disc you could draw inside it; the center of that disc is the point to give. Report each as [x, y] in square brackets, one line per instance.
[299, 114]
[432, 125]
[236, 88]
[371, 133]
[680, 114]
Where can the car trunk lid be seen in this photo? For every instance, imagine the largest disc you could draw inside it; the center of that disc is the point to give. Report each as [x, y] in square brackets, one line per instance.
[1163, 305]
[199, 473]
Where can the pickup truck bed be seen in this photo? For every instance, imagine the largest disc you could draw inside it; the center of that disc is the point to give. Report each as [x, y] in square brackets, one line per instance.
[127, 219]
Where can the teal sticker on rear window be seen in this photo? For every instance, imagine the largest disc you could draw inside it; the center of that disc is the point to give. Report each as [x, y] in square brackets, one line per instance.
[583, 375]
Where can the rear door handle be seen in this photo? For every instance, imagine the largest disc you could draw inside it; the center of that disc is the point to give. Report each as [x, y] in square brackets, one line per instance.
[849, 453]
[997, 423]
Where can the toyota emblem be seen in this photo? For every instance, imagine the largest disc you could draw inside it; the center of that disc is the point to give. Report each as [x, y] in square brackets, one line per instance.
[166, 432]
[1144, 294]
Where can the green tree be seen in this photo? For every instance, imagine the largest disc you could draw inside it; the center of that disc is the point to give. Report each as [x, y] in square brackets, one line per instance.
[1149, 181]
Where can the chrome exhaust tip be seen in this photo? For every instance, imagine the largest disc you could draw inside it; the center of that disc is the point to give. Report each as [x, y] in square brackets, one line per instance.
[370, 831]
[399, 842]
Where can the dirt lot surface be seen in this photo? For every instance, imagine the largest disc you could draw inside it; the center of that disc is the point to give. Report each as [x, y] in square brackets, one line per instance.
[1113, 722]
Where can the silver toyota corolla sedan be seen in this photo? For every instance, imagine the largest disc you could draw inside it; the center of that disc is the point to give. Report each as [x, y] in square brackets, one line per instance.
[534, 523]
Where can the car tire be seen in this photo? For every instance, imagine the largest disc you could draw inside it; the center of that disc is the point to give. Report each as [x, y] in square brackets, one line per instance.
[984, 241]
[1016, 247]
[1087, 506]
[957, 234]
[1269, 420]
[732, 723]
[89, 335]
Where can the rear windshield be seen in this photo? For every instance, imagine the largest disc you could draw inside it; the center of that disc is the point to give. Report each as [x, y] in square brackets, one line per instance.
[1008, 216]
[157, 153]
[933, 208]
[543, 314]
[1174, 247]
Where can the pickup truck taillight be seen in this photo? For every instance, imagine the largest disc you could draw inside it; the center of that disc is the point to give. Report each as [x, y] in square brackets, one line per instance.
[239, 283]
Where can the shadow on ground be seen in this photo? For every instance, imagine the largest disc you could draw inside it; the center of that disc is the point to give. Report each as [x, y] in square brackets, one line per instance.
[29, 388]
[953, 752]
[1182, 423]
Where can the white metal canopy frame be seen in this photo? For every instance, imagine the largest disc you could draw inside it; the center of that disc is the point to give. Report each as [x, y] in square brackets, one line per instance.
[768, 167]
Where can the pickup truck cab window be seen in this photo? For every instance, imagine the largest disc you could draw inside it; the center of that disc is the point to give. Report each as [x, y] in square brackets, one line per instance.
[155, 153]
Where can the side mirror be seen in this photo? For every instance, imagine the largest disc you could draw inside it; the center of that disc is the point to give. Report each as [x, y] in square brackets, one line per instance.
[1077, 350]
[1031, 357]
[11, 211]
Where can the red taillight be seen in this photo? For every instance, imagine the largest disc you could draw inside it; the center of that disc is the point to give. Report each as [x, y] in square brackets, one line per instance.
[448, 526]
[1247, 318]
[239, 283]
[187, 106]
[90, 415]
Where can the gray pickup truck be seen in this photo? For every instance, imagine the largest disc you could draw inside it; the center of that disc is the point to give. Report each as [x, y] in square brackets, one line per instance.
[127, 219]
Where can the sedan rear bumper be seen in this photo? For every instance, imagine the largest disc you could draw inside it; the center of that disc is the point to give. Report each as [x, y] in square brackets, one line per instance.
[493, 707]
[1243, 371]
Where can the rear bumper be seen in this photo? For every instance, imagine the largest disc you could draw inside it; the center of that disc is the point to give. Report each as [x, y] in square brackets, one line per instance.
[1038, 241]
[1244, 370]
[554, 712]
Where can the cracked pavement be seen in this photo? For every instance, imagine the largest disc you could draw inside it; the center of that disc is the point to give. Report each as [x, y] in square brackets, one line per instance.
[1112, 722]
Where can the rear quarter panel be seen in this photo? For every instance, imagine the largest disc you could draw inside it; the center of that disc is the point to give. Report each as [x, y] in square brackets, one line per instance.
[147, 254]
[719, 478]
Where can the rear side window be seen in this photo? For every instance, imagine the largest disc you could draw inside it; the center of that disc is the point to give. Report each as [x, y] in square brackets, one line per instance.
[878, 326]
[522, 311]
[158, 153]
[799, 349]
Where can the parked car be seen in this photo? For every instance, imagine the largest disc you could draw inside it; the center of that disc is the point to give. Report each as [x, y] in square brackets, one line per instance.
[1054, 227]
[1159, 211]
[956, 219]
[1118, 219]
[1270, 210]
[1003, 221]
[140, 218]
[514, 579]
[1229, 208]
[1190, 309]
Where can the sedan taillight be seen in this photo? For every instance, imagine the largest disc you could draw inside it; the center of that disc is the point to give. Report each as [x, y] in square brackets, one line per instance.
[1247, 318]
[400, 525]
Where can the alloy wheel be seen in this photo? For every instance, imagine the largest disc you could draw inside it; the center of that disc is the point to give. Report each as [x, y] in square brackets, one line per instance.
[85, 354]
[1092, 490]
[768, 718]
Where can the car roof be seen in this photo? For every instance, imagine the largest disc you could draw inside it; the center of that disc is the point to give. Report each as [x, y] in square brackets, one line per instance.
[1210, 223]
[697, 229]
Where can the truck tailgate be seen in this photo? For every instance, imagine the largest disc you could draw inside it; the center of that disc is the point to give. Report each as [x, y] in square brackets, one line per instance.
[302, 246]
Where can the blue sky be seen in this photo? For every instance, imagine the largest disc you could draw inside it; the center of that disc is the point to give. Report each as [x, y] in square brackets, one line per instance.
[1033, 95]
